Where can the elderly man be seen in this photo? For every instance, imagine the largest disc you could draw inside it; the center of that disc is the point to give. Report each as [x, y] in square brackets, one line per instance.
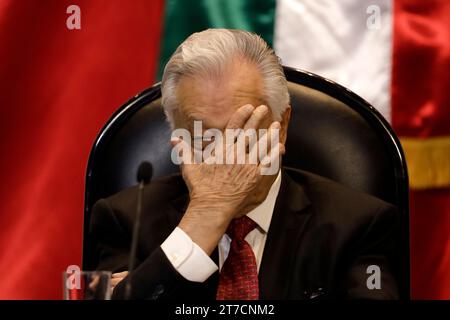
[226, 231]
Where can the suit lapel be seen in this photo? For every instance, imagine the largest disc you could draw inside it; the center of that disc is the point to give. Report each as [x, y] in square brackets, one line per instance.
[289, 218]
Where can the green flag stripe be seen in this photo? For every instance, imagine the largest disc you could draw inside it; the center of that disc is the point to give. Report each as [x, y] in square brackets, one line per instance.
[182, 18]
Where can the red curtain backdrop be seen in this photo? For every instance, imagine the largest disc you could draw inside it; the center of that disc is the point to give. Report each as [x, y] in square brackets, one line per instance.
[57, 89]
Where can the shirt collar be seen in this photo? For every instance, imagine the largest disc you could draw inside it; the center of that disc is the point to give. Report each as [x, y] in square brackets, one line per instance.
[262, 214]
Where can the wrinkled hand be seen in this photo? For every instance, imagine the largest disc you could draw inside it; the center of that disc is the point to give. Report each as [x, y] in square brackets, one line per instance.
[229, 185]
[219, 192]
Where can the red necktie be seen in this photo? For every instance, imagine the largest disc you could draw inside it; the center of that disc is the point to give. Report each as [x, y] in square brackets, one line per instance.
[239, 275]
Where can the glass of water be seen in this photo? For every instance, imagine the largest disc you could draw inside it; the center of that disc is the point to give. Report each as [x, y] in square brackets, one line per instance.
[87, 285]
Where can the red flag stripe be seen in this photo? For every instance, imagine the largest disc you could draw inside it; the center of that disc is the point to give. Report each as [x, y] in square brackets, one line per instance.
[58, 87]
[420, 110]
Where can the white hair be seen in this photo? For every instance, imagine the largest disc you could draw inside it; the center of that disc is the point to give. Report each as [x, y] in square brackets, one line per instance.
[210, 51]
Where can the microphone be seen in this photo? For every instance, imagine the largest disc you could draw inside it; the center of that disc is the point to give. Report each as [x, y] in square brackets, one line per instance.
[144, 175]
[145, 172]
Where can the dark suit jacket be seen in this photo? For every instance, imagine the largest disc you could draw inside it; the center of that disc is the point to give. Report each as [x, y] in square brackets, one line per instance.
[321, 240]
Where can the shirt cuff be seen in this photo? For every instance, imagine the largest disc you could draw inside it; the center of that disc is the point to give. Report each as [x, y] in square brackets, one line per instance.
[187, 257]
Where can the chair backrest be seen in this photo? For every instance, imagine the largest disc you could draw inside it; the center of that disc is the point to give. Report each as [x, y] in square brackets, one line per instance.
[332, 132]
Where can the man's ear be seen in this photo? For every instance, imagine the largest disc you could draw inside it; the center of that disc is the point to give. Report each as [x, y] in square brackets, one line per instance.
[284, 124]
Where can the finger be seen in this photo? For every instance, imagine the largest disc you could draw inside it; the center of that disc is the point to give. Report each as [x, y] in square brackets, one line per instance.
[122, 274]
[265, 140]
[252, 125]
[273, 157]
[240, 117]
[115, 281]
[93, 284]
[246, 138]
[256, 117]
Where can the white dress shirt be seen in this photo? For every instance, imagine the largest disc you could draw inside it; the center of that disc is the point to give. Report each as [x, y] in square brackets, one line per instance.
[195, 265]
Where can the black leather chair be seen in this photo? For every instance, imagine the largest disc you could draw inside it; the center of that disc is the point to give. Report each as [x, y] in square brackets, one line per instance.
[332, 132]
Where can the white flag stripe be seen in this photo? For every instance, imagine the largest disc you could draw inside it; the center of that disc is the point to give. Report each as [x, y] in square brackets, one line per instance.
[348, 41]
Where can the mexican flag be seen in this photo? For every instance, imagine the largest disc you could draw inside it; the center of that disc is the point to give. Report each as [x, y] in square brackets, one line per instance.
[66, 66]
